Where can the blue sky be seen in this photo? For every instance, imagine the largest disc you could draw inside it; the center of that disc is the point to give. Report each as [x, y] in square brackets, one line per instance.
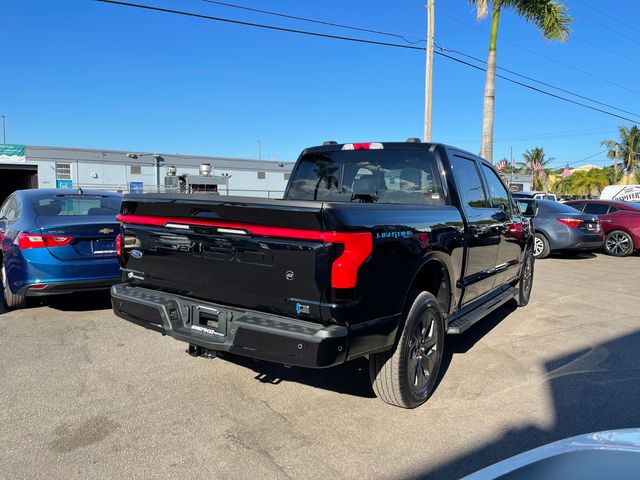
[86, 74]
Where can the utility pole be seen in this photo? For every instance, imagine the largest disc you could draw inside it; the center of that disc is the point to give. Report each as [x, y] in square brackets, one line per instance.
[428, 84]
[4, 129]
[511, 168]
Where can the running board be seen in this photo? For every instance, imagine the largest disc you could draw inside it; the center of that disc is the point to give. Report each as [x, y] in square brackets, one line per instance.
[461, 324]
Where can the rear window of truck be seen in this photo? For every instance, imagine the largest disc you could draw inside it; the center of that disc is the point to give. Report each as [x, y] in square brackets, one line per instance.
[381, 176]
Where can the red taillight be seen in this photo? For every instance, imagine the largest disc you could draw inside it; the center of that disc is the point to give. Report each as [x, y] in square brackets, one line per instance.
[570, 222]
[119, 245]
[38, 286]
[28, 240]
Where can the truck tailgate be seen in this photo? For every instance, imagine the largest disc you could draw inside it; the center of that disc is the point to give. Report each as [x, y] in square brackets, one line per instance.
[262, 254]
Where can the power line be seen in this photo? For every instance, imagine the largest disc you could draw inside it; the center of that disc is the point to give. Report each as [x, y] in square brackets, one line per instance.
[312, 20]
[623, 35]
[541, 55]
[402, 37]
[359, 40]
[537, 81]
[605, 14]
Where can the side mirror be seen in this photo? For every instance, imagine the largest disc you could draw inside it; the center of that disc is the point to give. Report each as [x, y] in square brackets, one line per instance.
[528, 208]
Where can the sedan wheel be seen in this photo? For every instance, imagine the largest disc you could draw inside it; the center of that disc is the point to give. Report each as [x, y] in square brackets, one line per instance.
[541, 247]
[618, 243]
[13, 300]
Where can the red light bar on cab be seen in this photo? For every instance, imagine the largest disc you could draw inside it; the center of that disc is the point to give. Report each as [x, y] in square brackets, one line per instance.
[363, 146]
[344, 271]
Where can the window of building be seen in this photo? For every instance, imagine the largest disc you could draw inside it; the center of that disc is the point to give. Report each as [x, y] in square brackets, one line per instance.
[469, 183]
[135, 169]
[63, 171]
[262, 175]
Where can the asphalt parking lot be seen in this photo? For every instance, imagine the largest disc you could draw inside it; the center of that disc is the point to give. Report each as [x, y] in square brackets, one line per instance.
[86, 395]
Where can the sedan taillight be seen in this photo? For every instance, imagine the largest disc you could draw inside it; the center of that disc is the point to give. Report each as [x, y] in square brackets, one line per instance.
[28, 240]
[570, 222]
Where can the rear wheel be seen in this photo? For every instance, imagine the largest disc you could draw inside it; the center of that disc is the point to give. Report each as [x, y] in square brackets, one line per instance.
[618, 243]
[406, 376]
[13, 300]
[541, 247]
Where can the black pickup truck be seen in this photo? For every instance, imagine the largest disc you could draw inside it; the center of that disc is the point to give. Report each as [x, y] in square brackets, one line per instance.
[377, 250]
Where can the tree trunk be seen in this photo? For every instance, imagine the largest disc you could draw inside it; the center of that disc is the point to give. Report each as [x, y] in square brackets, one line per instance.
[486, 148]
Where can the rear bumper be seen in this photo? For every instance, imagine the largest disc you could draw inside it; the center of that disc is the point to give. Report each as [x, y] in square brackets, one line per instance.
[243, 332]
[586, 246]
[568, 238]
[61, 288]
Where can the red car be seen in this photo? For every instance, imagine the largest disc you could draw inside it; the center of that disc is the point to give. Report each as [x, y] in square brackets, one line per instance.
[620, 223]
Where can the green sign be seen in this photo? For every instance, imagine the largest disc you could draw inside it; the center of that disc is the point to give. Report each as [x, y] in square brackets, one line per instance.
[10, 153]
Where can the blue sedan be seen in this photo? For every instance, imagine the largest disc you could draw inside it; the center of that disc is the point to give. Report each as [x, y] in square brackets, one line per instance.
[58, 241]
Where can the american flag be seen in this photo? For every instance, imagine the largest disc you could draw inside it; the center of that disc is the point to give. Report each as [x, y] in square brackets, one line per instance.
[501, 166]
[566, 172]
[537, 167]
[541, 173]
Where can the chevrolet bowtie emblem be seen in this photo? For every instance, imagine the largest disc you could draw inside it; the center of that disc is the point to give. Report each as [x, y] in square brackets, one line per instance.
[105, 230]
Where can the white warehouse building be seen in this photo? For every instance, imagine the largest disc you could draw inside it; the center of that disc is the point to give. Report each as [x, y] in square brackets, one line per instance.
[58, 167]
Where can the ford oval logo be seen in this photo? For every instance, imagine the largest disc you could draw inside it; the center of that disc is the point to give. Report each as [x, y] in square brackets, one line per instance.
[136, 253]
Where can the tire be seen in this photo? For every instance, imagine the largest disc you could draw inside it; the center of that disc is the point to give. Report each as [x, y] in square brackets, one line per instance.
[12, 300]
[541, 248]
[618, 243]
[407, 375]
[525, 283]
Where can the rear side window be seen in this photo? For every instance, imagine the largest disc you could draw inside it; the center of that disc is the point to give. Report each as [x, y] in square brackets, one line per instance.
[596, 208]
[381, 176]
[577, 206]
[469, 183]
[497, 190]
[10, 210]
[76, 205]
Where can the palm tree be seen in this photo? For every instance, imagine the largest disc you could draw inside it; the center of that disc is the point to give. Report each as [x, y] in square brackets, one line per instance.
[533, 158]
[627, 148]
[587, 182]
[551, 18]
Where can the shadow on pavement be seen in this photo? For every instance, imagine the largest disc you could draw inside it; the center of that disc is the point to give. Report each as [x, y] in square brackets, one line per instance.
[591, 390]
[352, 378]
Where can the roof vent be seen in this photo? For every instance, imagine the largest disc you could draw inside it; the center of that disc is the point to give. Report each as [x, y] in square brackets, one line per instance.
[413, 140]
[205, 169]
[329, 142]
[171, 170]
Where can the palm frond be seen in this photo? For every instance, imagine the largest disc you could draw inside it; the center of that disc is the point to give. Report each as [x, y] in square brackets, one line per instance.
[550, 16]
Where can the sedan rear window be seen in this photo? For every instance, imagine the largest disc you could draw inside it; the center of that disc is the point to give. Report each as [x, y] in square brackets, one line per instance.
[76, 205]
[556, 207]
[382, 176]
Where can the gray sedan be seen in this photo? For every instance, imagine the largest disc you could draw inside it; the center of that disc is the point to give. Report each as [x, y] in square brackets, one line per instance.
[559, 227]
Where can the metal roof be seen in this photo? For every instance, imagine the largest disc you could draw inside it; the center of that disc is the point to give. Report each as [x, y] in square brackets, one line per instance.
[92, 155]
